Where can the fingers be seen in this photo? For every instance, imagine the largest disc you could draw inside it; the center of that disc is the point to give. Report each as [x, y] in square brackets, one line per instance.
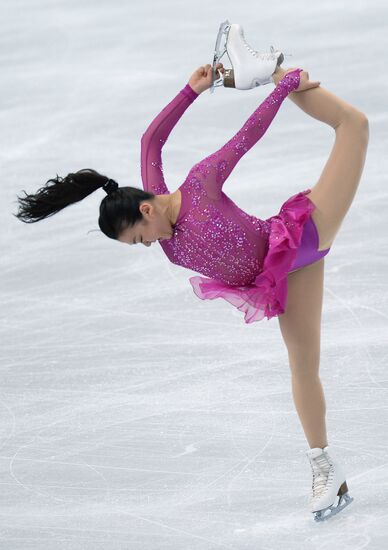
[205, 68]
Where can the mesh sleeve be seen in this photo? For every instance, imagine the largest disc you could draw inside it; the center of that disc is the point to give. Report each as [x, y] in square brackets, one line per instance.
[155, 137]
[215, 168]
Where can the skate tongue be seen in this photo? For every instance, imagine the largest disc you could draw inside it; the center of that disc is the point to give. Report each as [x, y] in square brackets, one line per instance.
[315, 452]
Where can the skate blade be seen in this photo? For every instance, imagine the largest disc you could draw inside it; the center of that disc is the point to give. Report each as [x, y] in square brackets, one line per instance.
[343, 501]
[223, 30]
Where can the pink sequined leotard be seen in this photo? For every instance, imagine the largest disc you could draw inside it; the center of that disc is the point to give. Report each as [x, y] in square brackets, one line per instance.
[245, 260]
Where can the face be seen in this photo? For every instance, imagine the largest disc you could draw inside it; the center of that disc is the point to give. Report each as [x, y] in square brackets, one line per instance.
[154, 226]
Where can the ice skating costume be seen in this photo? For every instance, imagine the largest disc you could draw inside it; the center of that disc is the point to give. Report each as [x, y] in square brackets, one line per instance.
[244, 260]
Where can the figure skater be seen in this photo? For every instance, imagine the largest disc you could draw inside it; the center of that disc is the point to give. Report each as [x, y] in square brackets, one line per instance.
[265, 268]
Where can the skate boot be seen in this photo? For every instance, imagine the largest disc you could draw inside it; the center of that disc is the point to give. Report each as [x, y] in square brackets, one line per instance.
[329, 486]
[250, 67]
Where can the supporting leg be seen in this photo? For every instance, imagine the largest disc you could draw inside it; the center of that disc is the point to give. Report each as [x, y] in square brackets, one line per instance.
[309, 400]
[300, 326]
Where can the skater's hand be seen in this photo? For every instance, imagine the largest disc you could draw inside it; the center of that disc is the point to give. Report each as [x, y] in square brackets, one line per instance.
[305, 83]
[202, 78]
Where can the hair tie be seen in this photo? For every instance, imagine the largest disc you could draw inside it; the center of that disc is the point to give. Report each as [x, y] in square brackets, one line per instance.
[110, 186]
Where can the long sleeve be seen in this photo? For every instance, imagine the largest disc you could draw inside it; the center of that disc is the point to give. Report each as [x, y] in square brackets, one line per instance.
[215, 169]
[241, 258]
[156, 136]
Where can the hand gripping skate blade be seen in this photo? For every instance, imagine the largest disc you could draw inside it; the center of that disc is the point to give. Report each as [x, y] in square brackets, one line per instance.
[224, 28]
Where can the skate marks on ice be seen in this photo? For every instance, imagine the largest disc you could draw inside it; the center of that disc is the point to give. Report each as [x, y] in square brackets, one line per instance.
[102, 448]
[356, 318]
[276, 527]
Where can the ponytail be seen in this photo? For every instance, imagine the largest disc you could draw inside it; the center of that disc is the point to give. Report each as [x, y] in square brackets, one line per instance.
[118, 210]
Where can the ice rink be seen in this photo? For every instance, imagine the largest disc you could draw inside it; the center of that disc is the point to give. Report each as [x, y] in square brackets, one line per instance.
[133, 415]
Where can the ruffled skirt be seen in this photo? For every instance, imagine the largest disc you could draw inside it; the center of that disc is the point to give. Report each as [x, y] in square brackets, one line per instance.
[266, 296]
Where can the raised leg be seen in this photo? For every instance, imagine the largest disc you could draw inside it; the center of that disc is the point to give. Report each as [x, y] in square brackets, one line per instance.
[300, 326]
[335, 190]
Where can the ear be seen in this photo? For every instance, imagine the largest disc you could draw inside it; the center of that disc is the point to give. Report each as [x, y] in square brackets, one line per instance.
[145, 208]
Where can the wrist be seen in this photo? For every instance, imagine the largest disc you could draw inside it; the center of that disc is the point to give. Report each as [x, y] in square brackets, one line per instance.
[278, 75]
[194, 88]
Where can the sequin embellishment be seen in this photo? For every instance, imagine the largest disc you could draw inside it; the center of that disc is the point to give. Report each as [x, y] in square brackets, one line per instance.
[214, 236]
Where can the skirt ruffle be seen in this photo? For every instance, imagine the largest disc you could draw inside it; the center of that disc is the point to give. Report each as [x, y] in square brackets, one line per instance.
[266, 296]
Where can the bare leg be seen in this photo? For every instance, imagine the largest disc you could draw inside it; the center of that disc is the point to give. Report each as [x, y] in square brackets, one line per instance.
[335, 190]
[333, 193]
[319, 103]
[300, 326]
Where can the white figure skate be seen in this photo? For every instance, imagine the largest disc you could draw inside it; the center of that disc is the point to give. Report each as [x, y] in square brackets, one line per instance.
[250, 67]
[328, 484]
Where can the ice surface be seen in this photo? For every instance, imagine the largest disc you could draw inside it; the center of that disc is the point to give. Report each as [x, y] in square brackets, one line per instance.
[132, 414]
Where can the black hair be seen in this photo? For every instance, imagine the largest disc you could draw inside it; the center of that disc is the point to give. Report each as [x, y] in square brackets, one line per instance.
[118, 210]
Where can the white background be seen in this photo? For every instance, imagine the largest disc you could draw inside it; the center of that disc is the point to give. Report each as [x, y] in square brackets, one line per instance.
[132, 414]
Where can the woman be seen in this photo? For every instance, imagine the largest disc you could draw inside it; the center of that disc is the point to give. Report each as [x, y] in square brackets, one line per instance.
[271, 267]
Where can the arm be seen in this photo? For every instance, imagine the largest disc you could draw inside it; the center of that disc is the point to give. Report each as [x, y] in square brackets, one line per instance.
[215, 168]
[155, 137]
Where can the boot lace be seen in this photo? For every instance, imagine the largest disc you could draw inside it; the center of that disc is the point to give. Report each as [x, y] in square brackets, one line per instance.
[259, 55]
[323, 472]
